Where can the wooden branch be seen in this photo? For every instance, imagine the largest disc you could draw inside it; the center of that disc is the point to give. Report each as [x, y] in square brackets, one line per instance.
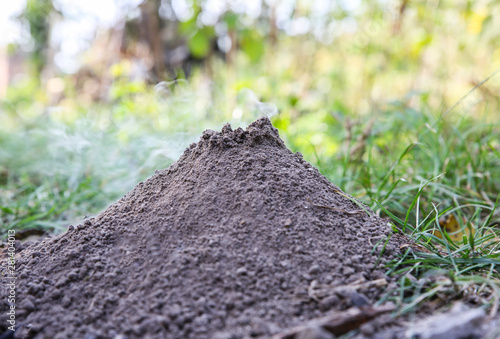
[340, 322]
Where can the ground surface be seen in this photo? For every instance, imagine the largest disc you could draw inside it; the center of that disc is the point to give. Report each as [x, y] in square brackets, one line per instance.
[239, 238]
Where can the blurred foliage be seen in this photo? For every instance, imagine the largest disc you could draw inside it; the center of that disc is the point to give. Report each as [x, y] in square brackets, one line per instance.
[37, 16]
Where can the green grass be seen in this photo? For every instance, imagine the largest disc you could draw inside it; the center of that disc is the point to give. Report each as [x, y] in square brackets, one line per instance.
[416, 168]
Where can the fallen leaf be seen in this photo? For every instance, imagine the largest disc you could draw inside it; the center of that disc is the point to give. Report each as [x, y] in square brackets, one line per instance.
[452, 227]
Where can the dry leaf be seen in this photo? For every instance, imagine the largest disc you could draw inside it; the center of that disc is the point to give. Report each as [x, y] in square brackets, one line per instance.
[452, 227]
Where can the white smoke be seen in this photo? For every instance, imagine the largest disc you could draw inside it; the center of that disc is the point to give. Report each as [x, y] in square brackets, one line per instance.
[250, 108]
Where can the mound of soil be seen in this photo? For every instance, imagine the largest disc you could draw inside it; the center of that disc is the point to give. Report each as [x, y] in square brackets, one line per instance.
[233, 240]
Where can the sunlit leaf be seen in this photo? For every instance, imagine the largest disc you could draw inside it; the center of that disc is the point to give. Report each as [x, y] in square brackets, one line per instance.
[199, 44]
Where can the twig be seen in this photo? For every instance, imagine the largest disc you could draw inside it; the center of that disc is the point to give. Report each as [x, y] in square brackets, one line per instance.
[337, 209]
[339, 323]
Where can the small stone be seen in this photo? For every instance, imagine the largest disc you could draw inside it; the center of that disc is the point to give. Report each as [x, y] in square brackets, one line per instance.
[314, 332]
[347, 270]
[454, 324]
[222, 335]
[56, 294]
[367, 329]
[66, 301]
[359, 299]
[201, 321]
[174, 311]
[27, 305]
[34, 288]
[241, 271]
[328, 303]
[259, 328]
[314, 269]
[73, 275]
[34, 328]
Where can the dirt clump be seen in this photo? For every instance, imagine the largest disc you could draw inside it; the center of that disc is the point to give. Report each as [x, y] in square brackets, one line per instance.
[231, 241]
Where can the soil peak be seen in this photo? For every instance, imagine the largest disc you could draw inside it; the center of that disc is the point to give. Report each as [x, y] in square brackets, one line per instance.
[239, 238]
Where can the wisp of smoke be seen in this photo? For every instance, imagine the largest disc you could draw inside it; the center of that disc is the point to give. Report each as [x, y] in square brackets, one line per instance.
[252, 107]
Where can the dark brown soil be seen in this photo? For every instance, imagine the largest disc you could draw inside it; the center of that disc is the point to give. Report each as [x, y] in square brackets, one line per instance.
[228, 242]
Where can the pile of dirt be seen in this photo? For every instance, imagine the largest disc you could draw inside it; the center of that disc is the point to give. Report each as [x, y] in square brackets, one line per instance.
[234, 240]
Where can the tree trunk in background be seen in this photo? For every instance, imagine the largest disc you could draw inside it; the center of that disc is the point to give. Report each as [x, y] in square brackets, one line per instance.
[399, 21]
[273, 31]
[151, 24]
[38, 14]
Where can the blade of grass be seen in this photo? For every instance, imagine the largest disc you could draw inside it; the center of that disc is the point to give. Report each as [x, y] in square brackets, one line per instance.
[385, 179]
[415, 200]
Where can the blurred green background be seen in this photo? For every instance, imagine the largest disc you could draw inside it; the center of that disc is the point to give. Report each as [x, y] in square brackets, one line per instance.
[96, 95]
